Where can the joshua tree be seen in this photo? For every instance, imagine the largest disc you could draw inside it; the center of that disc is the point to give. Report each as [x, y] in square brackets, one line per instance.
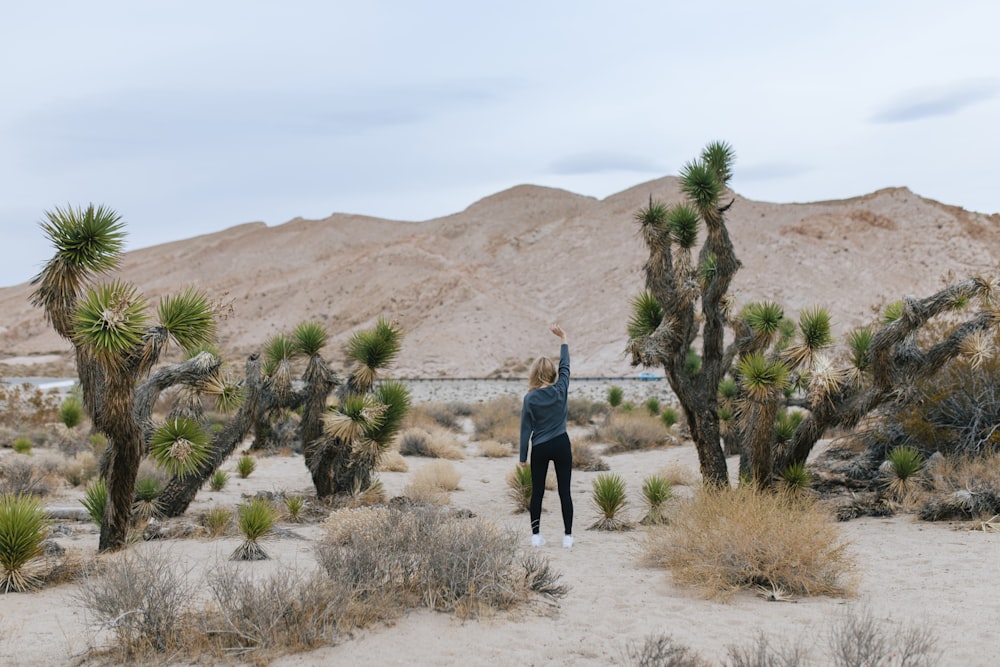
[684, 301]
[116, 348]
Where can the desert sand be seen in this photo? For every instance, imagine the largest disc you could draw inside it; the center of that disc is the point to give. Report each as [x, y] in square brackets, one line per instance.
[908, 573]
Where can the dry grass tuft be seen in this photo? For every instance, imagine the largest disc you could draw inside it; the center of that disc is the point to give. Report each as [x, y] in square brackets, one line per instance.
[726, 540]
[633, 431]
[435, 443]
[586, 458]
[679, 475]
[392, 461]
[495, 449]
[499, 419]
[432, 482]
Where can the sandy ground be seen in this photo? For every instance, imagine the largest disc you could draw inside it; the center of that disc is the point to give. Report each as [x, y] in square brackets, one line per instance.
[909, 572]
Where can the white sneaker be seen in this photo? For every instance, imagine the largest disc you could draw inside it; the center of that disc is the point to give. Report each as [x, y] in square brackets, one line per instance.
[567, 541]
[537, 540]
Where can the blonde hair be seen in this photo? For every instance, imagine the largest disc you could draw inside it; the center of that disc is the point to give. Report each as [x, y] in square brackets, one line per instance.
[542, 374]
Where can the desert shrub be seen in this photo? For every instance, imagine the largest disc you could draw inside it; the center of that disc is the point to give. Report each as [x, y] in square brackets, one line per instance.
[494, 449]
[499, 419]
[653, 406]
[21, 445]
[25, 406]
[662, 651]
[858, 639]
[245, 465]
[581, 410]
[294, 506]
[608, 496]
[284, 611]
[71, 411]
[255, 520]
[615, 396]
[679, 475]
[22, 476]
[433, 443]
[432, 482]
[218, 480]
[392, 461]
[904, 465]
[444, 415]
[586, 458]
[519, 487]
[23, 528]
[95, 499]
[217, 520]
[795, 477]
[142, 596]
[391, 559]
[762, 652]
[81, 469]
[962, 487]
[723, 540]
[656, 492]
[628, 432]
[668, 416]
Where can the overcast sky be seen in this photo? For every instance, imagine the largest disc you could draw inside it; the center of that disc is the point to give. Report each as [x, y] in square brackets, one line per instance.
[189, 117]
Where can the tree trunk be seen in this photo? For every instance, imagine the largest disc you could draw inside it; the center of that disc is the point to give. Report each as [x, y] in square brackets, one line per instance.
[125, 449]
[705, 433]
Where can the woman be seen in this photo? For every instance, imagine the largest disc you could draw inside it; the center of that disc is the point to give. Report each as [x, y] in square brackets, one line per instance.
[543, 422]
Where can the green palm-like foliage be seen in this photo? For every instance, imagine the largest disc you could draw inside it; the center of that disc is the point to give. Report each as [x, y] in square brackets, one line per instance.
[396, 398]
[785, 424]
[699, 183]
[278, 349]
[815, 326]
[294, 505]
[608, 497]
[615, 395]
[764, 318]
[111, 320]
[684, 222]
[892, 312]
[519, 487]
[227, 391]
[355, 417]
[218, 480]
[146, 491]
[23, 528]
[88, 239]
[761, 377]
[309, 338]
[656, 491]
[256, 518]
[179, 446]
[374, 349]
[905, 463]
[796, 477]
[95, 499]
[188, 317]
[859, 341]
[647, 314]
[719, 156]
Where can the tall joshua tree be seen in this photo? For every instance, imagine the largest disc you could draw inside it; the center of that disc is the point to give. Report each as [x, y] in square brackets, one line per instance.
[116, 349]
[685, 301]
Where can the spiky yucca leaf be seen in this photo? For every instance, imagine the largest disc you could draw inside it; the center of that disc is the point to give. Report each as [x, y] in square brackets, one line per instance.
[309, 338]
[395, 396]
[719, 157]
[656, 490]
[245, 465]
[218, 480]
[860, 341]
[905, 463]
[825, 379]
[978, 347]
[111, 320]
[188, 317]
[24, 526]
[278, 348]
[684, 222]
[95, 499]
[762, 377]
[814, 323]
[699, 183]
[374, 349]
[519, 487]
[785, 423]
[256, 518]
[647, 314]
[727, 388]
[653, 221]
[892, 312]
[226, 389]
[89, 240]
[706, 272]
[608, 497]
[764, 318]
[355, 417]
[796, 477]
[146, 491]
[179, 446]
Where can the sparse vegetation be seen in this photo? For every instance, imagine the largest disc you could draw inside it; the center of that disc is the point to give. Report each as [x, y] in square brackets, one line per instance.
[434, 443]
[245, 465]
[609, 498]
[218, 480]
[904, 464]
[432, 483]
[725, 540]
[519, 487]
[71, 411]
[217, 520]
[21, 445]
[632, 431]
[23, 528]
[95, 499]
[499, 419]
[294, 506]
[255, 520]
[586, 458]
[656, 492]
[615, 396]
[146, 491]
[796, 478]
[495, 450]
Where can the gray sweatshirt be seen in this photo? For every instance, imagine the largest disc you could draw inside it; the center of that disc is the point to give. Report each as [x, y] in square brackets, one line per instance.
[543, 413]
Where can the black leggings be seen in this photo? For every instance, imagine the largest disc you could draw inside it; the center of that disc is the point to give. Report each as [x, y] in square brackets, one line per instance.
[560, 452]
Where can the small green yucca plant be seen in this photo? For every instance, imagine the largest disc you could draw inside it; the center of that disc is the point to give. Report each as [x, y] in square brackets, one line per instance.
[71, 411]
[245, 465]
[95, 499]
[256, 518]
[218, 480]
[796, 478]
[905, 464]
[615, 396]
[146, 491]
[217, 520]
[668, 416]
[23, 528]
[609, 498]
[294, 505]
[22, 445]
[519, 487]
[653, 405]
[656, 490]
